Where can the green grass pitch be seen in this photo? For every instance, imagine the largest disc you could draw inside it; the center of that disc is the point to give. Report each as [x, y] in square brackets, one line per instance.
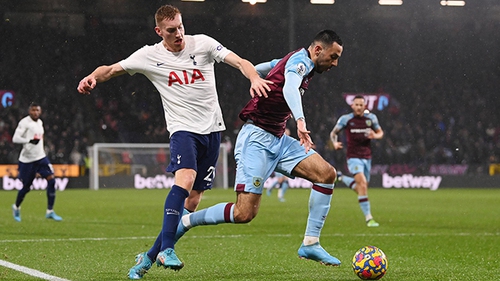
[448, 234]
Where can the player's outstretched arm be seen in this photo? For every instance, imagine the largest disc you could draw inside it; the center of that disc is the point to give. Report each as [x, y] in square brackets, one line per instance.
[258, 86]
[334, 138]
[101, 74]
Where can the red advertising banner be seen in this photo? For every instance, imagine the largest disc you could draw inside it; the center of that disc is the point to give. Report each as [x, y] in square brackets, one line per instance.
[373, 101]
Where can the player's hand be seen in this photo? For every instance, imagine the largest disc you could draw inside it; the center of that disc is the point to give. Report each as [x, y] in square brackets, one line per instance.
[86, 85]
[303, 134]
[370, 134]
[34, 141]
[338, 145]
[259, 87]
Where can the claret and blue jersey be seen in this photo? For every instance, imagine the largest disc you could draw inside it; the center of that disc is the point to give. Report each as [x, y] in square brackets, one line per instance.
[356, 129]
[272, 113]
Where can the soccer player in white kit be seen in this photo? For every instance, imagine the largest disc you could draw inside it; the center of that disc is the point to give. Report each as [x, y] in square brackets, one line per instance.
[33, 161]
[181, 67]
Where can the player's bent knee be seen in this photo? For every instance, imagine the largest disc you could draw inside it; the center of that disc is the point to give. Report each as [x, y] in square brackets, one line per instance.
[328, 175]
[243, 218]
[243, 213]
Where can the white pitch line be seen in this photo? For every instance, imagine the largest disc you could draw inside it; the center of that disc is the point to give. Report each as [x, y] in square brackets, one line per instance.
[78, 239]
[31, 272]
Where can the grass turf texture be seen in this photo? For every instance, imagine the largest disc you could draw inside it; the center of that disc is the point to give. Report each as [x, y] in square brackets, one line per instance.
[448, 234]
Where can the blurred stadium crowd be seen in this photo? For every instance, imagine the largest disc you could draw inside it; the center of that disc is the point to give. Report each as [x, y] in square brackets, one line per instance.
[437, 114]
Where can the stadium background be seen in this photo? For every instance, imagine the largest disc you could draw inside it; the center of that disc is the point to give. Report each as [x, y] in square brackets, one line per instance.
[439, 65]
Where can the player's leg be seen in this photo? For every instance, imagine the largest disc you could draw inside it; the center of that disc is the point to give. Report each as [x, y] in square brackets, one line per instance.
[252, 169]
[27, 173]
[184, 149]
[204, 180]
[172, 212]
[360, 168]
[361, 190]
[283, 186]
[51, 198]
[315, 169]
[270, 189]
[349, 182]
[276, 183]
[193, 201]
[370, 222]
[196, 151]
[354, 165]
[47, 172]
[357, 167]
[243, 211]
[145, 260]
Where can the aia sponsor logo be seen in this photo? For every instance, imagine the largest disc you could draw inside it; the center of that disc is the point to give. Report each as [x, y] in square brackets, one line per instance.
[185, 77]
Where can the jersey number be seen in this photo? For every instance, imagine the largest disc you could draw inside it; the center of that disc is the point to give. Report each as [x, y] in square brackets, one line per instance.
[210, 174]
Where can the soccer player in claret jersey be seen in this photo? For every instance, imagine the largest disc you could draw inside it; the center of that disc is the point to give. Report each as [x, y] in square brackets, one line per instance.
[181, 67]
[33, 161]
[263, 147]
[360, 126]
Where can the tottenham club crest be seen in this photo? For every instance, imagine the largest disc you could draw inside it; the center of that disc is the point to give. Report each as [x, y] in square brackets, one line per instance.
[192, 57]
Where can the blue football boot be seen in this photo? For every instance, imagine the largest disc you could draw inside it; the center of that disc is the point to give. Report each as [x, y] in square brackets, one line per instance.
[16, 213]
[168, 259]
[316, 253]
[53, 215]
[143, 264]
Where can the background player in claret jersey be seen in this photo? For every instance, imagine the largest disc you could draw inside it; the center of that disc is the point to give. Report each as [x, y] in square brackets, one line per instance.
[33, 161]
[360, 128]
[263, 147]
[181, 67]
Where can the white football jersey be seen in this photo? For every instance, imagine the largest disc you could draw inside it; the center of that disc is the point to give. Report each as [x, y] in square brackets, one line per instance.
[26, 130]
[185, 80]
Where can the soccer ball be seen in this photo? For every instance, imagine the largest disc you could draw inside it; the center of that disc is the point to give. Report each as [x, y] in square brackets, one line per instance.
[369, 263]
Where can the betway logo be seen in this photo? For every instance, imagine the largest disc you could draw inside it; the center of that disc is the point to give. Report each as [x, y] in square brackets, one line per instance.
[292, 183]
[162, 181]
[159, 181]
[38, 184]
[410, 181]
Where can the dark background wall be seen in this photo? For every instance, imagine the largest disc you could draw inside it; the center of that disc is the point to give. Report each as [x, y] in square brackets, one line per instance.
[440, 65]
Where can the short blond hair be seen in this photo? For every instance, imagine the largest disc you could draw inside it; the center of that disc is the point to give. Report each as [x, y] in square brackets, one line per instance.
[166, 12]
